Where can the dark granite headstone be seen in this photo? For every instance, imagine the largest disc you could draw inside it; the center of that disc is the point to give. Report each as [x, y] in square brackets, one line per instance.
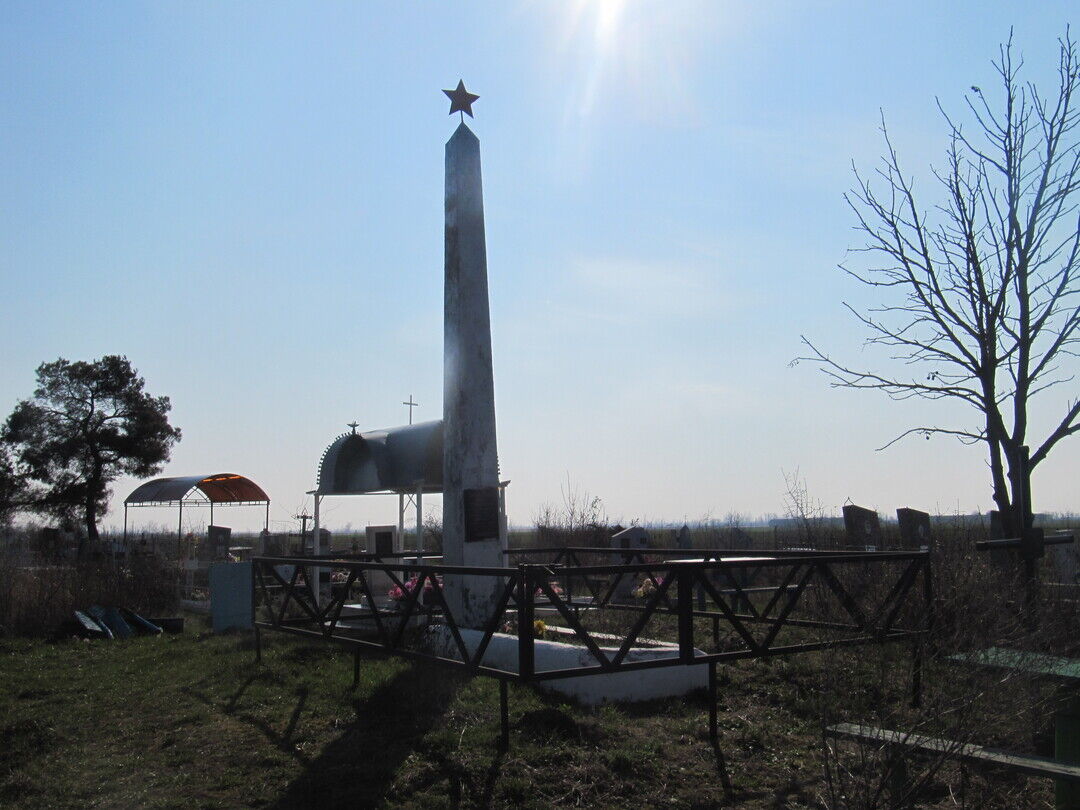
[914, 528]
[217, 540]
[384, 542]
[862, 527]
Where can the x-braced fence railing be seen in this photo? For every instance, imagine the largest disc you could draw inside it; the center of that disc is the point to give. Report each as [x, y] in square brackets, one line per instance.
[812, 601]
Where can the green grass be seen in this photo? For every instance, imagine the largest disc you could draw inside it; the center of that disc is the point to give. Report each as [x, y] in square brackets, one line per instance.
[192, 721]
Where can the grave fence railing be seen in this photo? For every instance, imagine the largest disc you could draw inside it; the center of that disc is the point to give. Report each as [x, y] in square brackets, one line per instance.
[691, 607]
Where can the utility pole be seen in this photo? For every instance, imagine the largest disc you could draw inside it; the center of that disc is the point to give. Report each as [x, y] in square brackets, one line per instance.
[304, 517]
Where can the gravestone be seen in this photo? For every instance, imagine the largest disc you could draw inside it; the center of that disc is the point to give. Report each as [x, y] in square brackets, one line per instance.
[633, 539]
[914, 529]
[307, 546]
[262, 544]
[862, 527]
[230, 596]
[684, 539]
[218, 539]
[274, 546]
[382, 540]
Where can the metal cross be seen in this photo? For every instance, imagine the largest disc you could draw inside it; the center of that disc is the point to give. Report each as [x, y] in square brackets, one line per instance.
[353, 425]
[411, 405]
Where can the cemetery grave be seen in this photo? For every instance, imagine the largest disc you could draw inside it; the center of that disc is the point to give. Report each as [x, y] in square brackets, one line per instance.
[625, 623]
[809, 602]
[631, 626]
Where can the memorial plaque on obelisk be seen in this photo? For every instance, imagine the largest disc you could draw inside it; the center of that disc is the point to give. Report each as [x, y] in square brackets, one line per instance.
[470, 454]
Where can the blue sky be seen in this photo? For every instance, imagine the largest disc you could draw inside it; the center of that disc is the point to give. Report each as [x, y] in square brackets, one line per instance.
[246, 200]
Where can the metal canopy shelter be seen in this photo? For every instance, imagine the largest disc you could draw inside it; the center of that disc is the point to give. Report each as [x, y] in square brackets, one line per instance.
[405, 461]
[220, 489]
[400, 459]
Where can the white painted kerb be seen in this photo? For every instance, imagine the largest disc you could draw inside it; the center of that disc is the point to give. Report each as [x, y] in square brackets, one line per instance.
[644, 684]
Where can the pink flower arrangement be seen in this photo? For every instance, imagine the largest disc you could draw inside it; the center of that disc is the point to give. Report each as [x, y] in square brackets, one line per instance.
[400, 594]
[555, 589]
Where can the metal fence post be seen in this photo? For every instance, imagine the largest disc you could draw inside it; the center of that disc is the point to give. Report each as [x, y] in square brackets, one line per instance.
[526, 651]
[256, 574]
[685, 587]
[712, 701]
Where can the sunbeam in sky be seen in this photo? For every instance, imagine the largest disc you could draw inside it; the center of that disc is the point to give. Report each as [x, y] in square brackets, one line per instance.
[632, 56]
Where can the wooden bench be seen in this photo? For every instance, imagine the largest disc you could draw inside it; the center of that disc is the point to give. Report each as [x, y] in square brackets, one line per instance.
[967, 752]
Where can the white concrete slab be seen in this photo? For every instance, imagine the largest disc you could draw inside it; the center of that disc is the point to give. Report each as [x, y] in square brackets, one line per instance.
[591, 690]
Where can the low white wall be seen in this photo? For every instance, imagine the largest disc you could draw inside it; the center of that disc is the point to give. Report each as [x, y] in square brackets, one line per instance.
[644, 684]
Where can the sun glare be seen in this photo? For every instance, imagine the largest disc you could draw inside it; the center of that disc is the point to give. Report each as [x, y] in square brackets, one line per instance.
[635, 55]
[594, 30]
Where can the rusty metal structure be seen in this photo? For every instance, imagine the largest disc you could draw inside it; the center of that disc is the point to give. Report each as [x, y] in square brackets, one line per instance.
[216, 489]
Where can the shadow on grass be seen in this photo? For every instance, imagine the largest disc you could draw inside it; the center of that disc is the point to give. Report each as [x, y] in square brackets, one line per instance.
[694, 703]
[283, 741]
[358, 768]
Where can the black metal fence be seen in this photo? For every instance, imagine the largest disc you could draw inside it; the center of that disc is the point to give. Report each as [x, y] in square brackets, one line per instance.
[704, 608]
[704, 611]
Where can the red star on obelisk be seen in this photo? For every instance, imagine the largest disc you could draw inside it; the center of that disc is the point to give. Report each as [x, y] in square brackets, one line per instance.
[461, 100]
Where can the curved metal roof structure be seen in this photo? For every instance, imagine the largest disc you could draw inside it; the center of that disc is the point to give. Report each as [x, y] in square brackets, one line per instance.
[216, 488]
[399, 459]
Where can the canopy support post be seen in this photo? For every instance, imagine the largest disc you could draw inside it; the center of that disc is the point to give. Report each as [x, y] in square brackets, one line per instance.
[419, 521]
[503, 527]
[316, 549]
[401, 518]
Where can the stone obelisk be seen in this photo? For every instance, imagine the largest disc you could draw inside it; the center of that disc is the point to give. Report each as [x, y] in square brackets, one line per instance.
[470, 456]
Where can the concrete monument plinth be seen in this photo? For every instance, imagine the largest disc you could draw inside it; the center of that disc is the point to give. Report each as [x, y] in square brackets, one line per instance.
[636, 685]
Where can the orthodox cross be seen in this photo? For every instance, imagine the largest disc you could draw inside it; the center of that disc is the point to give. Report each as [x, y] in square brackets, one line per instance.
[353, 425]
[411, 405]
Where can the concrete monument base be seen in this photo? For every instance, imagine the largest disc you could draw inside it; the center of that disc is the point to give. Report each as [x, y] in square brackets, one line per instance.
[590, 690]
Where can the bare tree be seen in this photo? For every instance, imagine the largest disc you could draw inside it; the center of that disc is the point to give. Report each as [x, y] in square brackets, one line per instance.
[806, 512]
[981, 290]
